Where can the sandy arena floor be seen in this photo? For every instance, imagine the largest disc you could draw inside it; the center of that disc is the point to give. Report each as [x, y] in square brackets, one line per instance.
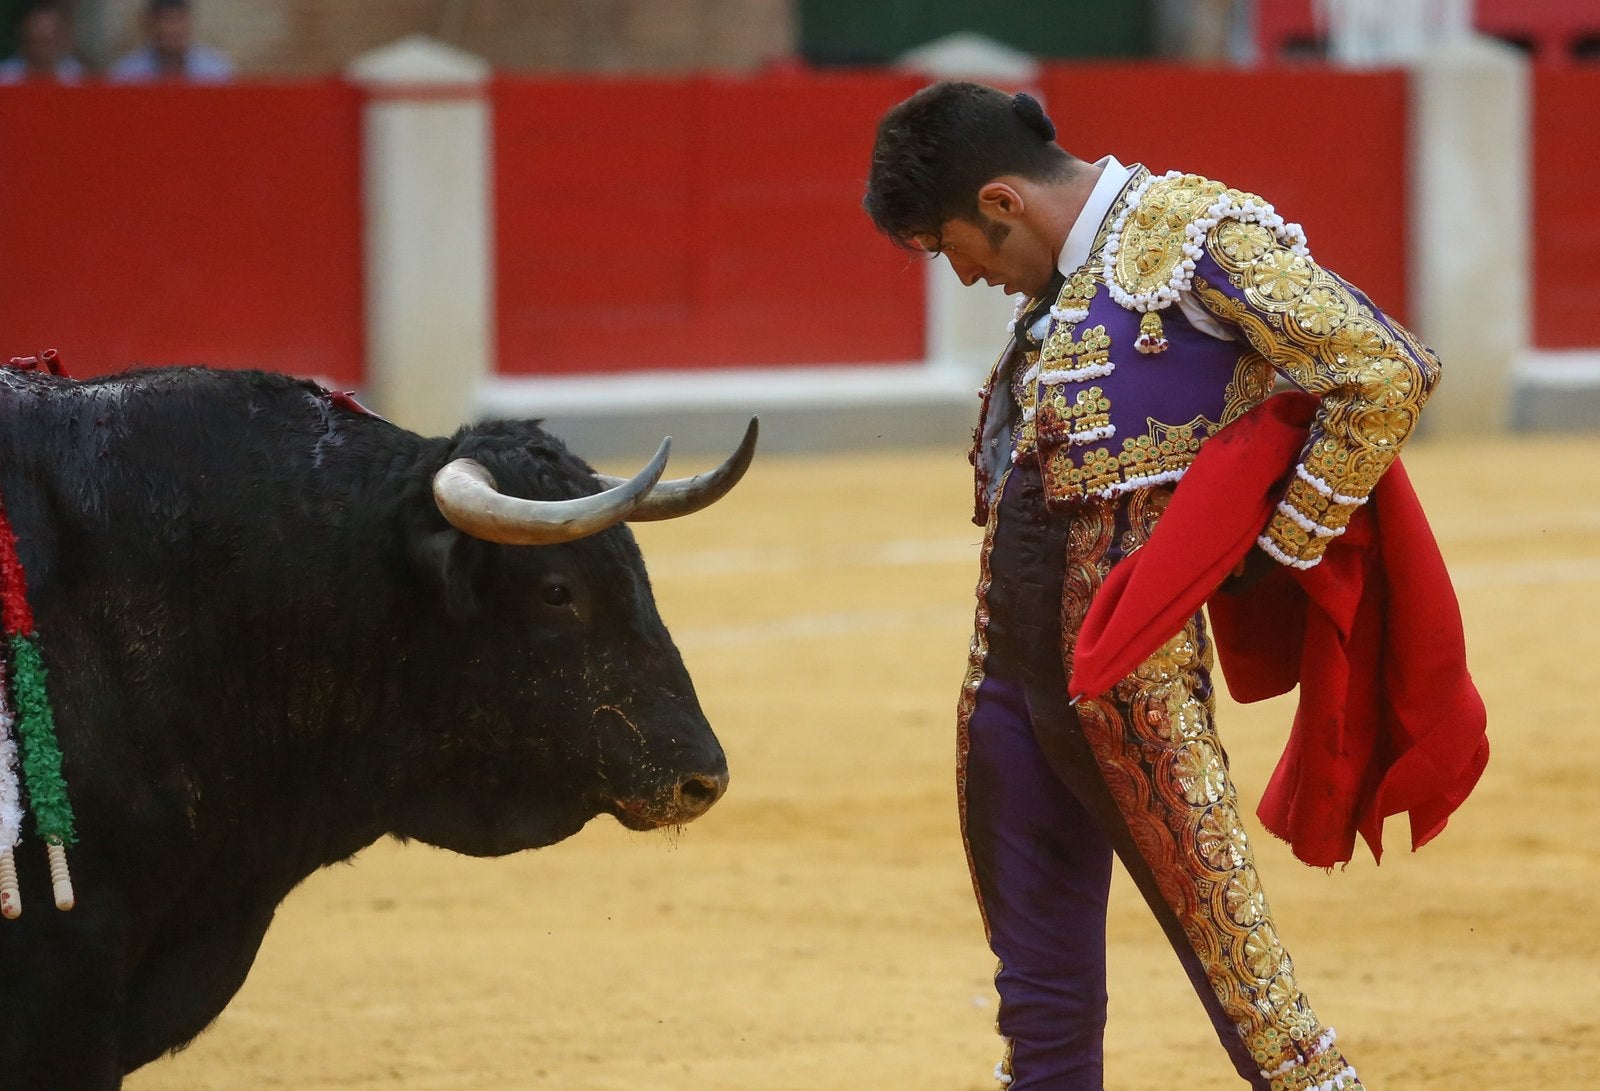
[816, 932]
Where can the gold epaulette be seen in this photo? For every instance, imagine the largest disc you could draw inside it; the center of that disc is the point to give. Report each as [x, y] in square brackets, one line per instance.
[1160, 234]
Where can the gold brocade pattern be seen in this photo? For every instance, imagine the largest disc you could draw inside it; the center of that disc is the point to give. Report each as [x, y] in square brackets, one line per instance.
[1150, 248]
[966, 703]
[1162, 454]
[1373, 376]
[1164, 448]
[1063, 351]
[1149, 225]
[971, 682]
[1064, 354]
[1252, 384]
[1081, 286]
[1068, 353]
[1089, 410]
[1157, 747]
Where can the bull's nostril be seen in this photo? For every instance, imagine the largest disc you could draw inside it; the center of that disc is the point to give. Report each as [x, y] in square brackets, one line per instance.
[699, 792]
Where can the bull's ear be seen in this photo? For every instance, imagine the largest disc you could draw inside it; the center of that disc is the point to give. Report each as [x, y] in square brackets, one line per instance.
[442, 557]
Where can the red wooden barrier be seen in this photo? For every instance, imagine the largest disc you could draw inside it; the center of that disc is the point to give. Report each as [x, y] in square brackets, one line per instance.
[173, 224]
[691, 223]
[1566, 227]
[1327, 148]
[663, 223]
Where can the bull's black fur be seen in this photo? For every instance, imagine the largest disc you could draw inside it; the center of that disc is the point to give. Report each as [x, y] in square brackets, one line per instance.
[266, 650]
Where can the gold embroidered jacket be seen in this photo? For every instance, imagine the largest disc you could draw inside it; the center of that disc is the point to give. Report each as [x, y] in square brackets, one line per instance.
[1124, 387]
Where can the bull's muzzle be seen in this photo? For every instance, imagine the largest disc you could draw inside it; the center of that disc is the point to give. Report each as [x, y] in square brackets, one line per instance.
[683, 802]
[694, 796]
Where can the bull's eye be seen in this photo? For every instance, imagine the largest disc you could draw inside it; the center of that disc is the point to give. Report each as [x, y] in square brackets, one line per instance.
[556, 594]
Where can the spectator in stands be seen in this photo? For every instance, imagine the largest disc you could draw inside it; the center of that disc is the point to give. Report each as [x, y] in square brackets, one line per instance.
[44, 38]
[170, 51]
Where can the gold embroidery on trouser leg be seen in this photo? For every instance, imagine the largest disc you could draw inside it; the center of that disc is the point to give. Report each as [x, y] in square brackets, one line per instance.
[966, 702]
[1156, 743]
[1089, 538]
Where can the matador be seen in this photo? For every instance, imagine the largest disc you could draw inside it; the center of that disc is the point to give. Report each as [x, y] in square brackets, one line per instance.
[1155, 310]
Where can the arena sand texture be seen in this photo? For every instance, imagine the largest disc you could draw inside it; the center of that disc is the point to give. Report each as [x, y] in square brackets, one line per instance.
[816, 931]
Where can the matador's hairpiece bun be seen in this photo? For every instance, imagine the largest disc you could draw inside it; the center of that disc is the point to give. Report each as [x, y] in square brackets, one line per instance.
[1032, 115]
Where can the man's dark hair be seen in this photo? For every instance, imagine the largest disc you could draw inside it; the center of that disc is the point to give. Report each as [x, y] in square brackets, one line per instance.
[935, 150]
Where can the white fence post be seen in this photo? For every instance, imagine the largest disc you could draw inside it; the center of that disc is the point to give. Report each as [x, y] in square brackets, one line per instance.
[426, 201]
[1469, 247]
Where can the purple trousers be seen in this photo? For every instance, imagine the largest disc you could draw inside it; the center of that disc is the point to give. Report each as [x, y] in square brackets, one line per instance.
[1042, 827]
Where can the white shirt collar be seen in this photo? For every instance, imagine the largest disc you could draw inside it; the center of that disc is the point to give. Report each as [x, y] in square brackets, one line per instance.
[1080, 240]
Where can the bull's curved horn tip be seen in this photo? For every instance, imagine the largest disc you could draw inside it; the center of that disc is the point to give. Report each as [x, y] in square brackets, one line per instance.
[676, 498]
[467, 496]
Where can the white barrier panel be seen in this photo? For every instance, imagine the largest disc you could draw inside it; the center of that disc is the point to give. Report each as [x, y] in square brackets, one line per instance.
[1470, 228]
[429, 261]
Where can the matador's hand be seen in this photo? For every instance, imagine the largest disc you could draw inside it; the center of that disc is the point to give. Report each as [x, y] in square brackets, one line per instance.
[1255, 567]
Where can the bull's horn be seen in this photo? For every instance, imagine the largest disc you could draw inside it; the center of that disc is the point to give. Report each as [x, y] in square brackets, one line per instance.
[466, 494]
[687, 495]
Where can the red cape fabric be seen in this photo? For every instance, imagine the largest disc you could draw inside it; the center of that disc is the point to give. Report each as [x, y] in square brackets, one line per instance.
[1388, 718]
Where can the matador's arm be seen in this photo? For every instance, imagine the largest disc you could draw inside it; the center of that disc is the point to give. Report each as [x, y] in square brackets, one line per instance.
[1371, 374]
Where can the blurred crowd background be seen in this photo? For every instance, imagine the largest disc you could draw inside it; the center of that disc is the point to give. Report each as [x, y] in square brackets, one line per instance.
[274, 38]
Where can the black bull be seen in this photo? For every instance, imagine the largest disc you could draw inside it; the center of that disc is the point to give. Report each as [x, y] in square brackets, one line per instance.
[268, 647]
